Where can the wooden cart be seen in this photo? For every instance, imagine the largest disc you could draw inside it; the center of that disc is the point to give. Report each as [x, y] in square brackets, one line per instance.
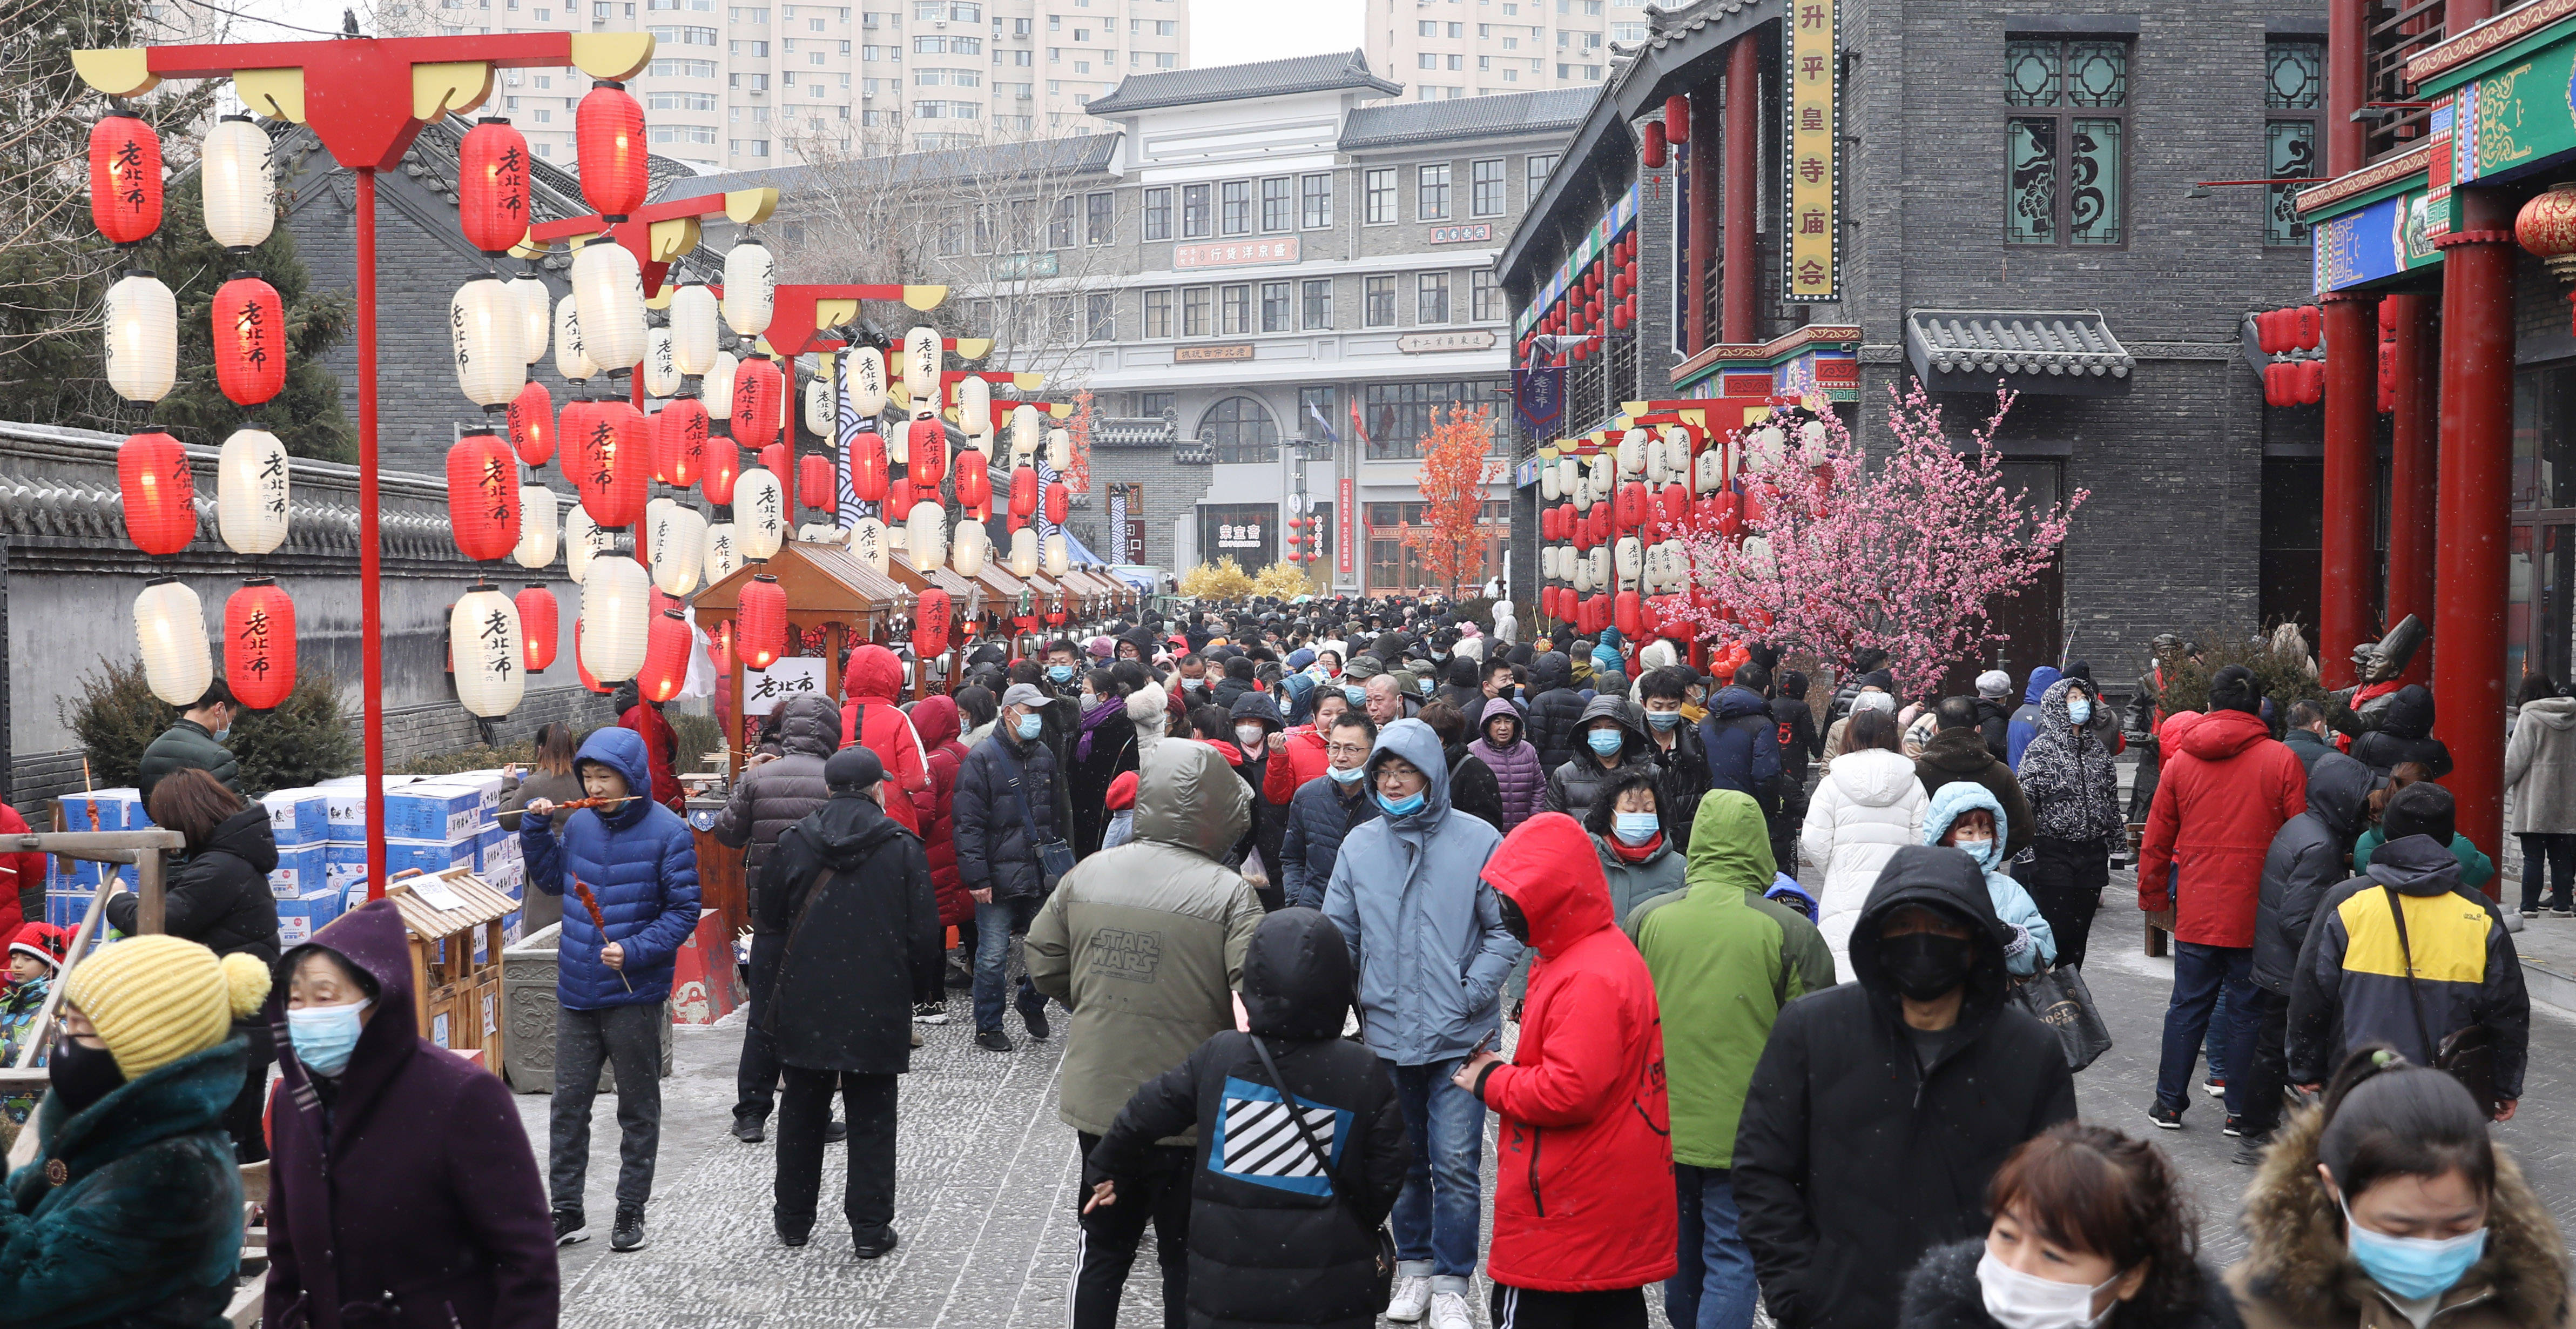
[455, 921]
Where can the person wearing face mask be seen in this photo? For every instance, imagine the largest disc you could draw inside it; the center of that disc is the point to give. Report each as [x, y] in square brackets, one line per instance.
[1323, 810]
[1674, 746]
[194, 741]
[1103, 745]
[1064, 668]
[1610, 739]
[1004, 808]
[1632, 837]
[1473, 787]
[2390, 1206]
[402, 1187]
[1962, 815]
[2091, 1231]
[130, 1211]
[1879, 1108]
[1254, 722]
[2073, 787]
[1518, 777]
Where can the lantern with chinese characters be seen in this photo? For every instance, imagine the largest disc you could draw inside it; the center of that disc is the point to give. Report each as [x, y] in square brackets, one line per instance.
[759, 514]
[925, 535]
[1059, 450]
[609, 462]
[160, 494]
[536, 315]
[532, 424]
[536, 626]
[251, 492]
[815, 483]
[259, 644]
[666, 657]
[170, 630]
[723, 553]
[571, 360]
[1024, 552]
[930, 624]
[821, 411]
[867, 463]
[758, 394]
[250, 340]
[483, 326]
[926, 447]
[899, 497]
[484, 648]
[863, 377]
[608, 140]
[492, 186]
[750, 288]
[483, 496]
[974, 483]
[536, 546]
[869, 545]
[969, 550]
[125, 179]
[582, 541]
[661, 368]
[1059, 500]
[142, 337]
[921, 367]
[608, 294]
[760, 621]
[616, 614]
[679, 548]
[975, 411]
[686, 419]
[724, 466]
[234, 177]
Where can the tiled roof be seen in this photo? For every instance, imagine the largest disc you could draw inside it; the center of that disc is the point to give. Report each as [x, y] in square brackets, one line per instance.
[1465, 117]
[1073, 154]
[1142, 431]
[2043, 343]
[1264, 78]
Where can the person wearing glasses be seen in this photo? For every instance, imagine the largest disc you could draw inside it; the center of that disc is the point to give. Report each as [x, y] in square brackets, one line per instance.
[1327, 808]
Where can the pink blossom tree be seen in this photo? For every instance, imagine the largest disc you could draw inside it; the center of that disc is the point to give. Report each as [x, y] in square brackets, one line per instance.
[1840, 553]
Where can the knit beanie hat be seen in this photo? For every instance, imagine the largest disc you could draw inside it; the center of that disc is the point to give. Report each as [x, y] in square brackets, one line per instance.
[156, 999]
[42, 941]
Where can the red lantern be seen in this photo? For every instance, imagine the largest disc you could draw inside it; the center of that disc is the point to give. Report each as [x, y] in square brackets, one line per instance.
[814, 483]
[2312, 327]
[608, 134]
[758, 392]
[160, 494]
[259, 644]
[610, 460]
[761, 620]
[124, 177]
[928, 443]
[250, 340]
[930, 624]
[974, 481]
[724, 466]
[537, 622]
[666, 657]
[1024, 492]
[899, 498]
[2276, 383]
[867, 460]
[532, 423]
[721, 652]
[1058, 499]
[1631, 506]
[1654, 150]
[1676, 501]
[492, 185]
[483, 496]
[686, 418]
[1631, 614]
[775, 458]
[1619, 316]
[2312, 382]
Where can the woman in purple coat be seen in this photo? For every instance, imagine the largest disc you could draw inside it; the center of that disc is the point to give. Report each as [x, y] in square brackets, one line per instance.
[401, 1188]
[1515, 763]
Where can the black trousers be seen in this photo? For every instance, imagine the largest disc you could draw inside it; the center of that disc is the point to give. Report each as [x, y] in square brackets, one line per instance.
[1529, 1308]
[242, 1119]
[755, 1077]
[2548, 858]
[2066, 878]
[804, 1109]
[1785, 824]
[1111, 1233]
[2260, 1099]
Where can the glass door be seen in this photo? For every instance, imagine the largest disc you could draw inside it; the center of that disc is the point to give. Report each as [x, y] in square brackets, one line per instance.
[2540, 615]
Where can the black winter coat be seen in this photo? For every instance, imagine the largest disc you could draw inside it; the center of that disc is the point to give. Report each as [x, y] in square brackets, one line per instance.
[185, 744]
[1943, 1293]
[1850, 1160]
[2405, 733]
[1799, 742]
[1269, 820]
[1555, 710]
[1684, 782]
[991, 815]
[850, 889]
[219, 897]
[779, 793]
[1271, 1244]
[2310, 855]
[1472, 786]
[1112, 750]
[1318, 818]
[1994, 724]
[1578, 780]
[1743, 745]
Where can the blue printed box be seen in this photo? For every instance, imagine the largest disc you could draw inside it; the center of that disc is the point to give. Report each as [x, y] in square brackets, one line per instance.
[430, 856]
[300, 871]
[298, 919]
[118, 810]
[432, 812]
[297, 816]
[66, 909]
[84, 876]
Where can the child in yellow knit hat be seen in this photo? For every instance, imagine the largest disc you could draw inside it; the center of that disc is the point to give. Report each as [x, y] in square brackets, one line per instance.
[133, 1206]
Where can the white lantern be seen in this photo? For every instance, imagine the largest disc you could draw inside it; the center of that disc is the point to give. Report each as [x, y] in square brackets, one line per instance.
[724, 553]
[1058, 556]
[970, 549]
[693, 328]
[1654, 451]
[1582, 577]
[572, 359]
[1547, 562]
[240, 191]
[716, 389]
[921, 363]
[750, 288]
[1024, 552]
[1059, 451]
[536, 316]
[170, 627]
[1632, 453]
[1757, 554]
[661, 364]
[1811, 442]
[483, 334]
[820, 409]
[1601, 568]
[759, 513]
[1567, 474]
[975, 410]
[536, 547]
[142, 339]
[1767, 444]
[582, 541]
[679, 548]
[925, 535]
[483, 641]
[250, 492]
[1024, 432]
[1630, 558]
[616, 617]
[868, 545]
[1547, 491]
[1704, 471]
[863, 377]
[608, 289]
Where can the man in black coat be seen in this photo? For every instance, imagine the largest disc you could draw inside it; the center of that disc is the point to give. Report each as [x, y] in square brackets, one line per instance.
[772, 795]
[1555, 709]
[850, 888]
[1006, 803]
[1256, 718]
[1881, 1108]
[2310, 855]
[1325, 809]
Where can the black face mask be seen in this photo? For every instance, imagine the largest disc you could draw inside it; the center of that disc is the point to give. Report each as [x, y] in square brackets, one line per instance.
[81, 1075]
[1925, 965]
[1514, 921]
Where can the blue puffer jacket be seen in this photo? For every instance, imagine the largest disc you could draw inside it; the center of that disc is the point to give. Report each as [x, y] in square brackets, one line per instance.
[2027, 721]
[987, 822]
[1742, 742]
[2030, 943]
[641, 863]
[1426, 933]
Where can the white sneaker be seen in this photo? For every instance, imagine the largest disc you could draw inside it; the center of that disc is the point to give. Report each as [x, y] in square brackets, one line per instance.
[1449, 1310]
[1412, 1297]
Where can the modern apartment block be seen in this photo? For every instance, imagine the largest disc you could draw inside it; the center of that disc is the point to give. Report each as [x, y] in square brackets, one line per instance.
[1479, 48]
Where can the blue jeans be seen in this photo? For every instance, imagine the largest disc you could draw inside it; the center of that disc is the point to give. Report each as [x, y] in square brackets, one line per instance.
[1437, 1213]
[995, 926]
[1714, 1287]
[2200, 974]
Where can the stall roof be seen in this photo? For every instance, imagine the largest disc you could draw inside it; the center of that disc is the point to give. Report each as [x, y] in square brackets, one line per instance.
[999, 582]
[477, 903]
[958, 588]
[818, 578]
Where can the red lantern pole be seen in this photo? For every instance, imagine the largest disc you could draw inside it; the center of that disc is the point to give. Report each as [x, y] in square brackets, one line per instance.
[371, 613]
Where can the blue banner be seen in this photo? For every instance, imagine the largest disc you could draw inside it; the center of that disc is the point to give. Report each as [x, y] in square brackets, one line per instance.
[1538, 398]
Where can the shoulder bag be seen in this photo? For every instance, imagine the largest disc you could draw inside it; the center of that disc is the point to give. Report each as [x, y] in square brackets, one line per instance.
[1384, 1288]
[1055, 857]
[2058, 997]
[2467, 1054]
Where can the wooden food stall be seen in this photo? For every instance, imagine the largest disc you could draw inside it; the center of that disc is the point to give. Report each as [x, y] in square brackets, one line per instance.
[961, 593]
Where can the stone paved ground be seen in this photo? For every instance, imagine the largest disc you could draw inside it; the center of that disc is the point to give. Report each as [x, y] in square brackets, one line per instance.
[987, 1179]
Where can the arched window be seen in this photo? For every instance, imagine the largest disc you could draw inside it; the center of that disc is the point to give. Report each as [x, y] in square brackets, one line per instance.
[1240, 428]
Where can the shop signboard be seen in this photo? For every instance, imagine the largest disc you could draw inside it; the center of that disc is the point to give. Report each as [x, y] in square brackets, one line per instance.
[1811, 169]
[2375, 242]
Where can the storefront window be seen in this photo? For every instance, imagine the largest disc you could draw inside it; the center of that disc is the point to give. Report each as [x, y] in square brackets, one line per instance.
[1241, 430]
[1394, 566]
[1248, 533]
[1399, 414]
[2544, 438]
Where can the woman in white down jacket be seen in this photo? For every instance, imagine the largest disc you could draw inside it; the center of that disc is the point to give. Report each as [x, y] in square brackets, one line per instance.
[1869, 804]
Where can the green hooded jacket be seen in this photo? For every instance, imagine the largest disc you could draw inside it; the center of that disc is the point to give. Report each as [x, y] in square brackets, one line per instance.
[1724, 961]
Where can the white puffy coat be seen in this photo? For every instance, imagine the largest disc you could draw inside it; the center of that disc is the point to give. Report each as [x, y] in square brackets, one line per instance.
[1868, 805]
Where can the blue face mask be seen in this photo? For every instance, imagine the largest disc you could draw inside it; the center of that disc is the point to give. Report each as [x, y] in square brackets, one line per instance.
[1663, 719]
[1341, 776]
[1027, 726]
[2079, 709]
[1636, 828]
[1060, 673]
[1401, 807]
[1604, 741]
[2413, 1268]
[1358, 696]
[324, 1036]
[223, 733]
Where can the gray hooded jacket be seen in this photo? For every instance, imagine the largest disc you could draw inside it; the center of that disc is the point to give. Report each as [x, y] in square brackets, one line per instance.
[2307, 859]
[777, 794]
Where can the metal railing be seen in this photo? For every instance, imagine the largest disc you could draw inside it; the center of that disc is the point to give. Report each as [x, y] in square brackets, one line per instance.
[2393, 32]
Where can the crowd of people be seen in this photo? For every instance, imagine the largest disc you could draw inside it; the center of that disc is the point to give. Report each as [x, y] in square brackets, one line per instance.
[1309, 892]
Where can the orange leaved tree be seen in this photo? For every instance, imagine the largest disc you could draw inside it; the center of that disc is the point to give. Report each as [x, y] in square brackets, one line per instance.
[1450, 537]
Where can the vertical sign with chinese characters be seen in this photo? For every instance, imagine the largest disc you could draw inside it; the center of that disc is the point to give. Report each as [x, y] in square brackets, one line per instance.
[1811, 192]
[1347, 552]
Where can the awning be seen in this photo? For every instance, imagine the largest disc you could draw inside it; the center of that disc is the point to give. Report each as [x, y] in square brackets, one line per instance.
[2068, 352]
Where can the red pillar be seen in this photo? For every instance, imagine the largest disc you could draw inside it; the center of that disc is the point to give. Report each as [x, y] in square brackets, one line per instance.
[2351, 473]
[2475, 465]
[2346, 74]
[2461, 15]
[1743, 141]
[371, 609]
[2411, 478]
[1700, 251]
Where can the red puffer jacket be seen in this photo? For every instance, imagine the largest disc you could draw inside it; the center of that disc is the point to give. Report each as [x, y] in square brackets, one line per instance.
[935, 719]
[662, 747]
[1307, 759]
[870, 685]
[1585, 1195]
[2225, 790]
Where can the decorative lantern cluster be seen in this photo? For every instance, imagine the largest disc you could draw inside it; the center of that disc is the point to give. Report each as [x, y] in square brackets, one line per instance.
[1599, 293]
[1612, 512]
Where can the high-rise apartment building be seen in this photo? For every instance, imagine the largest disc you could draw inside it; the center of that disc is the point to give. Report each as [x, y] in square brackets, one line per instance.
[741, 86]
[1478, 48]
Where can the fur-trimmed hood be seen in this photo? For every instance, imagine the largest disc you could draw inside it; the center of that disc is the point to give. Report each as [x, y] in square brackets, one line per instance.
[2296, 1270]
